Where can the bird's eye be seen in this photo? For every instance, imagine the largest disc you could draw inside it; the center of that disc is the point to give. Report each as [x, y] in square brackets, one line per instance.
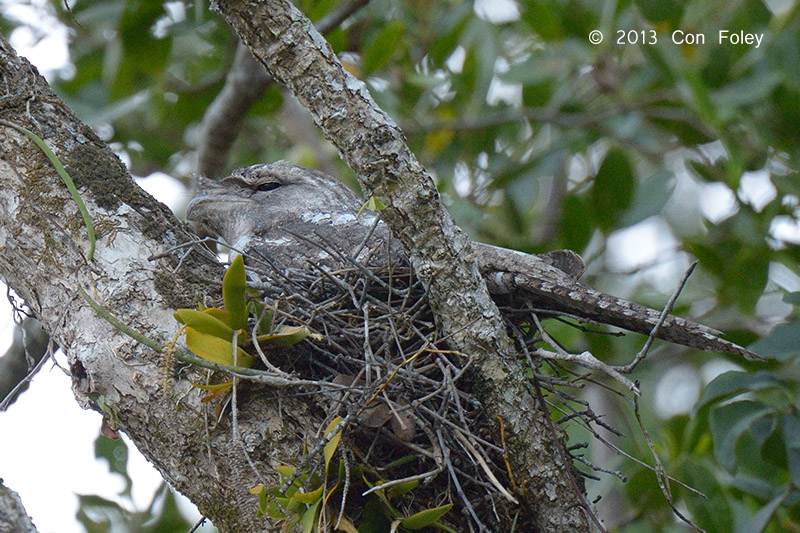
[265, 186]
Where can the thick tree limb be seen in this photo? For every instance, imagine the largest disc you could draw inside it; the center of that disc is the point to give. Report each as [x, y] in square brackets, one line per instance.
[293, 53]
[43, 256]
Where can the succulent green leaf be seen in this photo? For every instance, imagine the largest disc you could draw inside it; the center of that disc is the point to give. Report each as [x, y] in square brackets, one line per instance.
[215, 349]
[425, 518]
[287, 336]
[219, 314]
[234, 285]
[204, 322]
[309, 497]
[330, 447]
[309, 518]
[402, 488]
[265, 322]
[285, 471]
[263, 502]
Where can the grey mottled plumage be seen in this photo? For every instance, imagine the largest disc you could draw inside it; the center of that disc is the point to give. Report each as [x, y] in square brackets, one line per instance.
[283, 212]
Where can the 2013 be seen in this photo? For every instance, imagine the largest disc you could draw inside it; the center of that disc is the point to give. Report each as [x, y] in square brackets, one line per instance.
[636, 37]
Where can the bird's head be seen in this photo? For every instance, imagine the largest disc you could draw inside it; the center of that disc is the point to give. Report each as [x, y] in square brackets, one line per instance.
[261, 201]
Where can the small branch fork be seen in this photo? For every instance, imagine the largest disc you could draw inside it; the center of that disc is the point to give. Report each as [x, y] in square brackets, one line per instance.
[587, 360]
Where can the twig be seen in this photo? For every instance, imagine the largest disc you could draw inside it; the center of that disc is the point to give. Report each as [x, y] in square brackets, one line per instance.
[584, 359]
[494, 481]
[661, 475]
[627, 369]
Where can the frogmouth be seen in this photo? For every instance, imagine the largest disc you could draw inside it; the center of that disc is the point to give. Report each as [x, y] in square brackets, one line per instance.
[293, 216]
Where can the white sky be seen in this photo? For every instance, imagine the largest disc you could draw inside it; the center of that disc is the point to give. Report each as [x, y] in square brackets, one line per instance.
[47, 455]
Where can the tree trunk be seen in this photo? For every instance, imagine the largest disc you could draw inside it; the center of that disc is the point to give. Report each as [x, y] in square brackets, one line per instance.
[44, 258]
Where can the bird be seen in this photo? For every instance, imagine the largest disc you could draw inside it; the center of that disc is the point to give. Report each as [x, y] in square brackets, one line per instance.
[282, 213]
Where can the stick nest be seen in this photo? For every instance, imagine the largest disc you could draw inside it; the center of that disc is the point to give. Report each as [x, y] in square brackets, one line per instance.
[409, 403]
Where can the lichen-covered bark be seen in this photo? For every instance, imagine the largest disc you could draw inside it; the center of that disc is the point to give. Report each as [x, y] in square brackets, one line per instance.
[44, 257]
[297, 56]
[13, 517]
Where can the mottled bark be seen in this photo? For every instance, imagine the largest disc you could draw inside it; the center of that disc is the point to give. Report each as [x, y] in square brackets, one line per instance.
[13, 517]
[44, 257]
[297, 56]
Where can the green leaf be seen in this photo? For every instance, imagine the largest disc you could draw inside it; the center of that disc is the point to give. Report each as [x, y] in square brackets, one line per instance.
[287, 336]
[116, 453]
[262, 493]
[309, 518]
[265, 322]
[402, 488]
[425, 518]
[669, 11]
[713, 513]
[330, 447]
[65, 177]
[613, 189]
[141, 58]
[781, 343]
[746, 91]
[234, 285]
[728, 422]
[575, 227]
[381, 496]
[543, 18]
[760, 488]
[652, 194]
[734, 383]
[204, 322]
[215, 349]
[309, 497]
[758, 522]
[381, 49]
[790, 424]
[285, 471]
[219, 314]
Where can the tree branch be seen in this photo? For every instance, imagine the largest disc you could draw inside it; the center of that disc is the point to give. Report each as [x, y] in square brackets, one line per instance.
[44, 257]
[294, 54]
[245, 84]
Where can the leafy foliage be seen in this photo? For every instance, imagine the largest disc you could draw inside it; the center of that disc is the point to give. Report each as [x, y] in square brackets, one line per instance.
[211, 333]
[296, 501]
[541, 140]
[102, 515]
